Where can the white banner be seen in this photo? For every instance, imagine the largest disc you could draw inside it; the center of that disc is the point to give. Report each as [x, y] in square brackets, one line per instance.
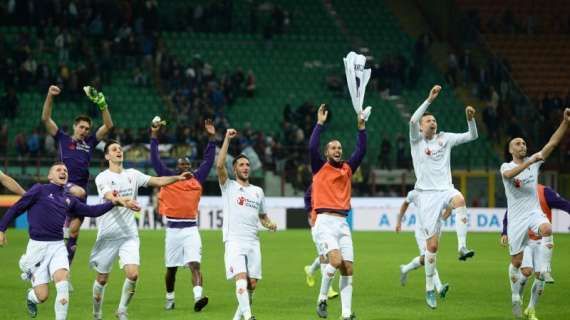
[370, 214]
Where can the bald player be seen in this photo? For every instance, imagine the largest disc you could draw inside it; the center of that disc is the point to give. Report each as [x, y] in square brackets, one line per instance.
[178, 203]
[76, 150]
[331, 192]
[520, 179]
[538, 252]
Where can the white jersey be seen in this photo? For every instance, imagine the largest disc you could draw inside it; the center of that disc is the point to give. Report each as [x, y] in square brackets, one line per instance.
[522, 198]
[119, 222]
[431, 158]
[242, 207]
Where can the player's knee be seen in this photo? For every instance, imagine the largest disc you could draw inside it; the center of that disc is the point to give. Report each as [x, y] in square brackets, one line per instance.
[527, 272]
[194, 266]
[102, 279]
[458, 201]
[133, 275]
[347, 268]
[42, 295]
[432, 247]
[78, 192]
[252, 284]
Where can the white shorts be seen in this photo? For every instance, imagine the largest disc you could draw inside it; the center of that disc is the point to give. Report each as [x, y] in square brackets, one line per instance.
[430, 205]
[42, 259]
[531, 255]
[517, 231]
[314, 236]
[242, 257]
[421, 241]
[182, 246]
[333, 233]
[106, 250]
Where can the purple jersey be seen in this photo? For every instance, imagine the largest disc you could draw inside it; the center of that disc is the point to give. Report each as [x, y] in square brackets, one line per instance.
[48, 205]
[76, 155]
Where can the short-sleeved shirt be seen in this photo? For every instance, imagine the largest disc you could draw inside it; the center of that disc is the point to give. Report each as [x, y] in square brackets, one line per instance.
[76, 155]
[120, 221]
[242, 206]
[522, 199]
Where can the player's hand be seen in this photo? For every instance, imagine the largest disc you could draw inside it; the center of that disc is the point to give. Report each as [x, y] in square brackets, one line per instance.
[434, 92]
[210, 129]
[567, 114]
[504, 240]
[271, 226]
[54, 91]
[470, 113]
[154, 129]
[185, 176]
[398, 227]
[536, 157]
[231, 133]
[322, 114]
[3, 240]
[361, 123]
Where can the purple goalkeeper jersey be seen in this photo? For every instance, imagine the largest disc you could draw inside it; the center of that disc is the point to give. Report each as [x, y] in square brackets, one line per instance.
[48, 205]
[76, 155]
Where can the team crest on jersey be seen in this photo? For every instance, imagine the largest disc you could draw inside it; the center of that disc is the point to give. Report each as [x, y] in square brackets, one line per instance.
[241, 200]
[517, 183]
[71, 146]
[428, 151]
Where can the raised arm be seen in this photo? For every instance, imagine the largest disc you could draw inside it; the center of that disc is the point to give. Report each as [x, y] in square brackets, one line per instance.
[11, 184]
[417, 116]
[99, 99]
[51, 126]
[157, 164]
[209, 154]
[471, 134]
[557, 136]
[221, 163]
[360, 150]
[314, 142]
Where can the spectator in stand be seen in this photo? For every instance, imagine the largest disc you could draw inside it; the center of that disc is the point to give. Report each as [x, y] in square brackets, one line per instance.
[385, 153]
[401, 158]
[9, 104]
[20, 143]
[4, 139]
[34, 144]
[250, 84]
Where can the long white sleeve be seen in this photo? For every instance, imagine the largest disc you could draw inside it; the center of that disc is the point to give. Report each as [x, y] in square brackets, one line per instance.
[470, 135]
[415, 121]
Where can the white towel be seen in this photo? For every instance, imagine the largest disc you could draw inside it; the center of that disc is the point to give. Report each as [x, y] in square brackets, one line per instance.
[357, 78]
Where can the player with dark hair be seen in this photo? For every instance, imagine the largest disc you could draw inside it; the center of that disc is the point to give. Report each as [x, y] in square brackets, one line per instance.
[244, 208]
[117, 234]
[331, 194]
[76, 150]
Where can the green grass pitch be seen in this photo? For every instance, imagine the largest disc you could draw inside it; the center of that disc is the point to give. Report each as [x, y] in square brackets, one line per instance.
[479, 287]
